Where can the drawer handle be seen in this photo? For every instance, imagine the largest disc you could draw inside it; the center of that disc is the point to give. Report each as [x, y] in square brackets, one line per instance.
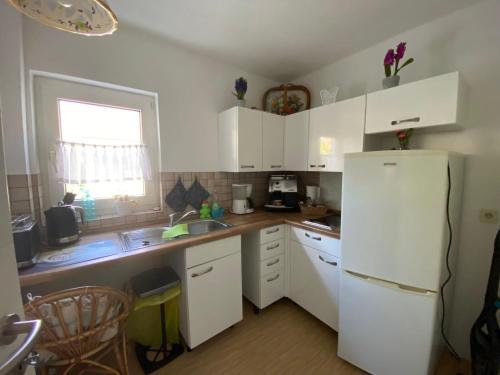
[275, 166]
[209, 269]
[322, 166]
[273, 263]
[273, 247]
[332, 263]
[273, 231]
[273, 278]
[247, 166]
[312, 166]
[312, 237]
[413, 119]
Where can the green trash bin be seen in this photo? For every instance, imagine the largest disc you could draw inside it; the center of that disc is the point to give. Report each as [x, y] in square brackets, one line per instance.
[154, 319]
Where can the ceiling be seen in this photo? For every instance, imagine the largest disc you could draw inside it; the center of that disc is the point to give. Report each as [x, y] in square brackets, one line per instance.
[280, 39]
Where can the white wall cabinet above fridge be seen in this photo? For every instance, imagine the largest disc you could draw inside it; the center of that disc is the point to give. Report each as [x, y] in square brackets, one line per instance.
[433, 103]
[335, 129]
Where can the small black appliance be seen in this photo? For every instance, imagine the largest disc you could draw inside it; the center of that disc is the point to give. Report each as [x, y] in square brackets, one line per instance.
[62, 223]
[26, 240]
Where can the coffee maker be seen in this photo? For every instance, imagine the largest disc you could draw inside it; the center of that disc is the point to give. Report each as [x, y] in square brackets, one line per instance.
[283, 193]
[242, 201]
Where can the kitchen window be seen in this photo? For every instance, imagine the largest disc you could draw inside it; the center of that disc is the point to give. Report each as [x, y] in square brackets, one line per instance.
[99, 142]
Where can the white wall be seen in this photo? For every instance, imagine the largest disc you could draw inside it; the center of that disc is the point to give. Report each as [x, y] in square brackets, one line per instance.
[192, 88]
[466, 41]
[12, 88]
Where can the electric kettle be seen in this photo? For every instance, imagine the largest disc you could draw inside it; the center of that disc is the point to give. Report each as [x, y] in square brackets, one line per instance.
[62, 224]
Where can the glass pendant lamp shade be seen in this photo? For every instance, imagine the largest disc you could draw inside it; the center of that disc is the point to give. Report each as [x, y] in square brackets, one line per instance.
[87, 17]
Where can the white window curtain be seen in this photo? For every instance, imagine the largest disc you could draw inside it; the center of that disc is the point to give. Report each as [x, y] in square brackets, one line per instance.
[78, 163]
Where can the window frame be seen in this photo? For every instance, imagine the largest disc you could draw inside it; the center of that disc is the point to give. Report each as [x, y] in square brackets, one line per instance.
[48, 88]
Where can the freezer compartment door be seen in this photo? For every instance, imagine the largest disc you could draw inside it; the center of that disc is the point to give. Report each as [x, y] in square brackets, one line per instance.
[384, 329]
[393, 216]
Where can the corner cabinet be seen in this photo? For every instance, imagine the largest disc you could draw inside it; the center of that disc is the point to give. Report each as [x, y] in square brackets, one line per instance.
[432, 103]
[297, 141]
[240, 140]
[335, 129]
[273, 131]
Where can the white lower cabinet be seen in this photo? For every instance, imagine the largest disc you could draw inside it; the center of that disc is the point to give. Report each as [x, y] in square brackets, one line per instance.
[315, 282]
[263, 265]
[211, 288]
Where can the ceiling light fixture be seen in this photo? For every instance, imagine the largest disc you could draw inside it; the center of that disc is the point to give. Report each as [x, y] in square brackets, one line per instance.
[86, 17]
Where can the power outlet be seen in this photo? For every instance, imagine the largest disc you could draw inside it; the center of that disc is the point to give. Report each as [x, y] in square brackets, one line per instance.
[489, 216]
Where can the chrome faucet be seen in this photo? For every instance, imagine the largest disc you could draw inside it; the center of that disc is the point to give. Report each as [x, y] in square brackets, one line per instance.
[172, 217]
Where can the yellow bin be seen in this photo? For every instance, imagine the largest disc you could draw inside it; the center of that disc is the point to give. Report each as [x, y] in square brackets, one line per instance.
[144, 322]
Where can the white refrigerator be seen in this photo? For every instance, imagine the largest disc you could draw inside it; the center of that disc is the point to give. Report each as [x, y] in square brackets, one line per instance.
[394, 243]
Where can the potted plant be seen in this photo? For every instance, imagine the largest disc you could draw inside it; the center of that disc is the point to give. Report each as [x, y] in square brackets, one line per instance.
[404, 136]
[240, 86]
[393, 58]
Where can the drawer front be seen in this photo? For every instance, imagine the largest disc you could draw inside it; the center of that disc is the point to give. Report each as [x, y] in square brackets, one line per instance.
[272, 249]
[212, 250]
[271, 288]
[272, 264]
[317, 241]
[272, 233]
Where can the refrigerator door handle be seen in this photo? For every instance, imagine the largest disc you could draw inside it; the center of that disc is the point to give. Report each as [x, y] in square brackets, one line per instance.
[388, 284]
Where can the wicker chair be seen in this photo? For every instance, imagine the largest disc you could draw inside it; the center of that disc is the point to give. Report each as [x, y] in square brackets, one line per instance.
[81, 326]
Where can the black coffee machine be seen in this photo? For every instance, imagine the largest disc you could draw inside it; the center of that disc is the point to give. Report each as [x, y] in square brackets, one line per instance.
[283, 193]
[62, 222]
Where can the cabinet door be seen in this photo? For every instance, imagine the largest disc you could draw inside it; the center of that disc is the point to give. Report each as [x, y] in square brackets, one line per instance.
[314, 282]
[296, 141]
[249, 140]
[213, 298]
[334, 130]
[430, 102]
[272, 141]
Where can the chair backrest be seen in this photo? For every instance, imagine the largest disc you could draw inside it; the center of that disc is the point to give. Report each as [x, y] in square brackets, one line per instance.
[79, 321]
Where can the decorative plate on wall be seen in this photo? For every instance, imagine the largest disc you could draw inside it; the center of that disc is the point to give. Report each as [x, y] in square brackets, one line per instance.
[286, 99]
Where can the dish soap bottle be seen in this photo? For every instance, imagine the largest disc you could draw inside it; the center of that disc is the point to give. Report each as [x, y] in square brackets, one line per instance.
[205, 211]
[88, 204]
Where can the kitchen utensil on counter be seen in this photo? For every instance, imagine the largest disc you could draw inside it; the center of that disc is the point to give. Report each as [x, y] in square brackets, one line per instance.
[26, 240]
[62, 224]
[242, 201]
[283, 195]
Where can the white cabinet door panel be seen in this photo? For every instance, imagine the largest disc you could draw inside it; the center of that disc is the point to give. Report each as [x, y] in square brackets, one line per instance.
[272, 141]
[297, 141]
[249, 140]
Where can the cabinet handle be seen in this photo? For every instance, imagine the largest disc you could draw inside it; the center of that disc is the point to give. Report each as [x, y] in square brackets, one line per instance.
[273, 263]
[312, 166]
[275, 166]
[247, 166]
[332, 263]
[273, 231]
[312, 237]
[209, 269]
[273, 247]
[273, 278]
[413, 119]
[322, 166]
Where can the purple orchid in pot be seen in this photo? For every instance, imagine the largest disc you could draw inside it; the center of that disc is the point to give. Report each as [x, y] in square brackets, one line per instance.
[393, 58]
[240, 88]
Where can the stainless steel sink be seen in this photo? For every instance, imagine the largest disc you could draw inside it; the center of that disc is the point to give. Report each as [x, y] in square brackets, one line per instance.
[145, 237]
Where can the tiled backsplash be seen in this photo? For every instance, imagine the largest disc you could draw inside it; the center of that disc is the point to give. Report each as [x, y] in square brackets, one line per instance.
[26, 197]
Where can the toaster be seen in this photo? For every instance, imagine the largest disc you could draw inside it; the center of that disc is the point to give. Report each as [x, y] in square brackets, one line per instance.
[27, 243]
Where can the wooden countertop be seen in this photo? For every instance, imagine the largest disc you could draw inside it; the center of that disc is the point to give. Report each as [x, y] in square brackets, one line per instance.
[241, 224]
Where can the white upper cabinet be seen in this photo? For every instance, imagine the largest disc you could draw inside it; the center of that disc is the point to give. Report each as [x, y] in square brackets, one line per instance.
[431, 102]
[335, 129]
[240, 140]
[297, 141]
[273, 128]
